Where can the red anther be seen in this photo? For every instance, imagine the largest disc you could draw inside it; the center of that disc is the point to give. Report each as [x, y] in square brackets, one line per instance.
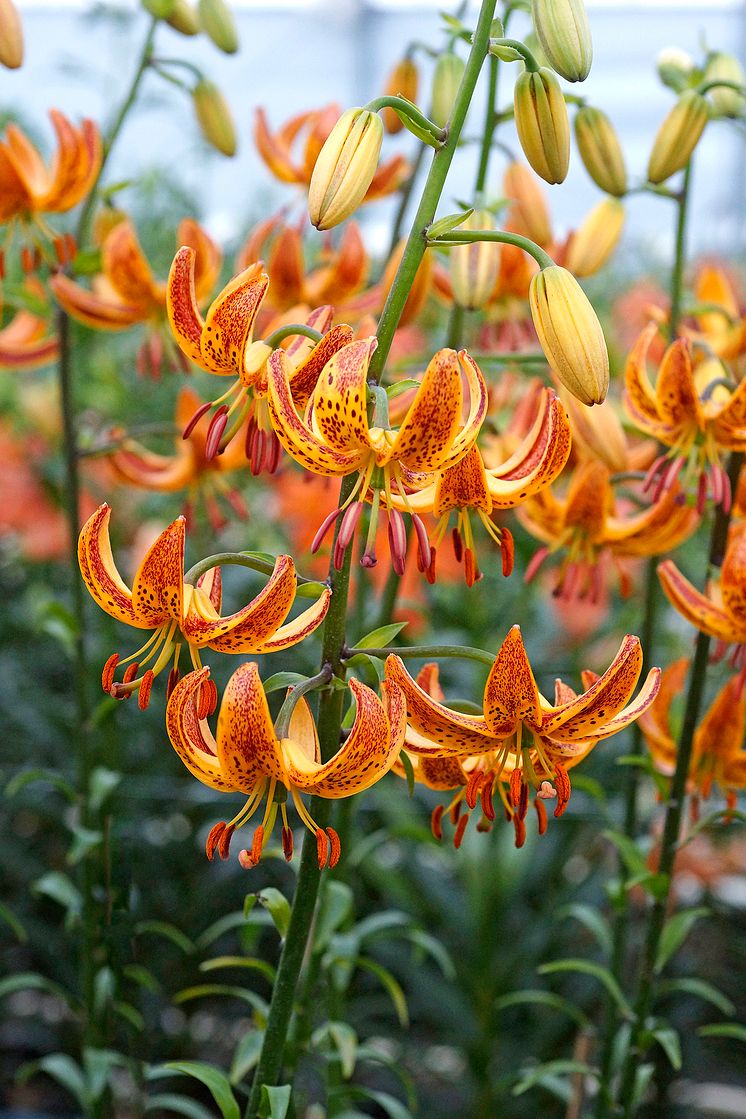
[701, 493]
[287, 843]
[488, 807]
[455, 811]
[522, 806]
[397, 540]
[520, 831]
[652, 473]
[237, 504]
[706, 786]
[224, 841]
[213, 838]
[716, 484]
[107, 675]
[258, 447]
[130, 672]
[541, 814]
[430, 570]
[71, 245]
[727, 499]
[335, 847]
[694, 809]
[508, 813]
[214, 514]
[274, 450]
[173, 679]
[215, 432]
[36, 259]
[516, 783]
[562, 785]
[597, 584]
[322, 848]
[141, 361]
[507, 551]
[27, 259]
[155, 354]
[458, 835]
[472, 787]
[458, 546]
[143, 695]
[625, 584]
[249, 437]
[436, 821]
[423, 543]
[348, 524]
[60, 250]
[470, 568]
[2, 264]
[534, 564]
[195, 419]
[321, 532]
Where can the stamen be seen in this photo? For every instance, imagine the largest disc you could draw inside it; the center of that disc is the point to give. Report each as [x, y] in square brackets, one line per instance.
[520, 831]
[516, 783]
[701, 493]
[224, 841]
[287, 842]
[195, 419]
[107, 675]
[436, 821]
[335, 847]
[562, 785]
[488, 807]
[534, 564]
[652, 473]
[215, 432]
[322, 847]
[272, 460]
[424, 550]
[130, 672]
[213, 838]
[472, 574]
[430, 569]
[256, 846]
[507, 551]
[458, 546]
[347, 527]
[143, 695]
[458, 835]
[541, 814]
[472, 787]
[321, 532]
[173, 679]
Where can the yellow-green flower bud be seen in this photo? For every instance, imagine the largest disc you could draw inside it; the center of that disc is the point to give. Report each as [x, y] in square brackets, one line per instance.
[528, 205]
[449, 70]
[564, 33]
[542, 124]
[600, 150]
[183, 18]
[219, 25]
[675, 68]
[570, 333]
[678, 136]
[593, 243]
[403, 81]
[725, 102]
[161, 9]
[474, 268]
[214, 117]
[11, 35]
[345, 167]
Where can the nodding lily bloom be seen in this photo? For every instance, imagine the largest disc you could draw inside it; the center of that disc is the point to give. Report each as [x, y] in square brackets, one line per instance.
[718, 754]
[126, 292]
[586, 523]
[695, 414]
[521, 739]
[248, 755]
[307, 133]
[335, 437]
[25, 342]
[190, 468]
[720, 324]
[469, 485]
[29, 189]
[180, 613]
[222, 343]
[721, 612]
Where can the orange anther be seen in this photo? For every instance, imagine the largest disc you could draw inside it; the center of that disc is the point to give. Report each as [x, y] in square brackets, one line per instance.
[107, 675]
[224, 844]
[488, 807]
[143, 695]
[507, 551]
[213, 838]
[562, 785]
[458, 547]
[472, 787]
[335, 847]
[458, 835]
[130, 673]
[322, 848]
[516, 781]
[520, 831]
[470, 568]
[455, 811]
[173, 679]
[541, 813]
[257, 845]
[436, 821]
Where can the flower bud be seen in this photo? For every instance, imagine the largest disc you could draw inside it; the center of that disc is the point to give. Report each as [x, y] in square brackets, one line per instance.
[528, 211]
[179, 14]
[564, 33]
[449, 70]
[600, 150]
[570, 333]
[402, 82]
[161, 9]
[594, 242]
[675, 68]
[678, 136]
[11, 35]
[597, 433]
[542, 124]
[725, 68]
[214, 117]
[219, 25]
[474, 268]
[345, 167]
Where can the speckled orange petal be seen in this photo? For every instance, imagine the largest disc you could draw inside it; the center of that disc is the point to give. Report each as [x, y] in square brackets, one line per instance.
[159, 580]
[305, 375]
[164, 473]
[75, 165]
[676, 392]
[463, 485]
[191, 737]
[91, 309]
[14, 198]
[208, 257]
[511, 694]
[286, 268]
[733, 576]
[128, 270]
[640, 401]
[468, 431]
[247, 629]
[631, 713]
[698, 610]
[433, 418]
[590, 712]
[720, 733]
[538, 461]
[211, 584]
[666, 522]
[440, 773]
[276, 154]
[27, 163]
[181, 304]
[453, 732]
[340, 415]
[730, 422]
[299, 628]
[229, 322]
[589, 499]
[303, 733]
[247, 747]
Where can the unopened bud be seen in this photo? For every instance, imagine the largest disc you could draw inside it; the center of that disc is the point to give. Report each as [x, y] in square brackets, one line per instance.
[564, 33]
[725, 102]
[529, 211]
[402, 82]
[593, 243]
[219, 25]
[183, 18]
[542, 124]
[214, 117]
[600, 150]
[11, 35]
[474, 268]
[675, 68]
[345, 167]
[449, 70]
[678, 136]
[570, 333]
[161, 9]
[597, 433]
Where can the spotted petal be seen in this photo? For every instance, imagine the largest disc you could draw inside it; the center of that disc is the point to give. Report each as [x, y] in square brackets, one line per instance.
[229, 322]
[733, 576]
[208, 257]
[511, 694]
[306, 374]
[247, 629]
[339, 400]
[676, 392]
[91, 309]
[698, 610]
[127, 269]
[591, 712]
[191, 737]
[436, 727]
[247, 746]
[538, 460]
[640, 400]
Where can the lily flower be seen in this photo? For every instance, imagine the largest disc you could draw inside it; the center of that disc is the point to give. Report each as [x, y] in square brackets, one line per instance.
[334, 437]
[695, 416]
[25, 341]
[248, 755]
[523, 740]
[720, 324]
[126, 292]
[180, 613]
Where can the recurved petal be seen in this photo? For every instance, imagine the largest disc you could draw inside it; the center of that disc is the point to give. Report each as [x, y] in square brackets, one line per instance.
[450, 732]
[731, 421]
[274, 153]
[286, 268]
[101, 576]
[340, 415]
[230, 321]
[640, 400]
[158, 586]
[247, 746]
[24, 342]
[462, 485]
[91, 309]
[633, 711]
[75, 165]
[511, 694]
[698, 610]
[676, 392]
[388, 177]
[303, 733]
[306, 375]
[540, 458]
[208, 257]
[592, 711]
[248, 629]
[191, 737]
[164, 473]
[655, 723]
[433, 418]
[733, 576]
[478, 402]
[127, 269]
[297, 630]
[181, 304]
[720, 734]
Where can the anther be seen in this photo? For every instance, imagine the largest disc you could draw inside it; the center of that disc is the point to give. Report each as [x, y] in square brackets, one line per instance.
[213, 838]
[488, 807]
[458, 835]
[107, 675]
[224, 841]
[455, 811]
[322, 847]
[471, 571]
[430, 569]
[143, 695]
[335, 847]
[534, 564]
[173, 679]
[215, 431]
[27, 260]
[195, 419]
[256, 846]
[423, 543]
[520, 831]
[130, 673]
[516, 781]
[507, 551]
[458, 546]
[397, 541]
[472, 787]
[436, 821]
[522, 806]
[287, 843]
[562, 785]
[541, 814]
[321, 532]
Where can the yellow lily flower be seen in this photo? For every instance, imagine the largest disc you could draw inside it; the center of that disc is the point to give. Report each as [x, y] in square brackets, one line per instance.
[180, 613]
[248, 756]
[521, 739]
[335, 438]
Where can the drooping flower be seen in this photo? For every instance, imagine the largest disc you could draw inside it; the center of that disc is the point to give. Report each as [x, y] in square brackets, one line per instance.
[180, 613]
[521, 740]
[26, 341]
[720, 324]
[248, 755]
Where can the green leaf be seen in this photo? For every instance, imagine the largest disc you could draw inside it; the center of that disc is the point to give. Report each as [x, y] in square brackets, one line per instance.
[213, 1079]
[275, 1101]
[393, 1107]
[130, 1014]
[700, 989]
[104, 985]
[64, 1070]
[391, 984]
[182, 1105]
[643, 1076]
[61, 889]
[58, 622]
[381, 637]
[32, 981]
[310, 590]
[234, 920]
[240, 961]
[282, 680]
[588, 967]
[433, 947]
[211, 990]
[629, 852]
[278, 907]
[408, 768]
[335, 908]
[543, 998]
[142, 976]
[724, 1029]
[534, 1076]
[168, 932]
[668, 1039]
[13, 922]
[98, 1064]
[675, 932]
[400, 387]
[448, 223]
[592, 920]
[102, 784]
[246, 1055]
[344, 1040]
[29, 776]
[84, 840]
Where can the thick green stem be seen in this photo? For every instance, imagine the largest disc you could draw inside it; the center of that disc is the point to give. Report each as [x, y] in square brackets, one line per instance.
[677, 275]
[404, 196]
[488, 131]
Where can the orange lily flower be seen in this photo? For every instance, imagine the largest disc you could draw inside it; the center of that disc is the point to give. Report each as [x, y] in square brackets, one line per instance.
[25, 341]
[334, 437]
[718, 754]
[469, 485]
[691, 412]
[126, 292]
[180, 613]
[521, 739]
[250, 756]
[586, 523]
[308, 132]
[720, 325]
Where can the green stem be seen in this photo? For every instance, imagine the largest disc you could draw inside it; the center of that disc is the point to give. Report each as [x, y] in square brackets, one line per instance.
[408, 113]
[239, 559]
[490, 121]
[501, 236]
[417, 243]
[404, 196]
[455, 329]
[282, 722]
[289, 331]
[425, 652]
[677, 276]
